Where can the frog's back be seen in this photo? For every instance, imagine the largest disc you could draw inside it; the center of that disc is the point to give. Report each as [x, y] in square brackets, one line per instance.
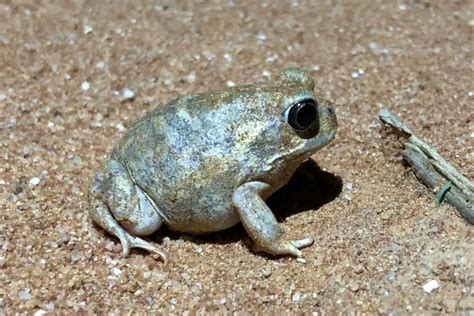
[186, 159]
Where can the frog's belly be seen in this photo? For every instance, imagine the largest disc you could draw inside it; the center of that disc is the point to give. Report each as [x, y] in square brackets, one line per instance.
[202, 220]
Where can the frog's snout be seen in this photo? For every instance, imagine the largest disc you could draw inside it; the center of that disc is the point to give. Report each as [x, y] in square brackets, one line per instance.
[328, 119]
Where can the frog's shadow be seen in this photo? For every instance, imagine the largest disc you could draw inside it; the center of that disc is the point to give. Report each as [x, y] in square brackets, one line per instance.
[309, 188]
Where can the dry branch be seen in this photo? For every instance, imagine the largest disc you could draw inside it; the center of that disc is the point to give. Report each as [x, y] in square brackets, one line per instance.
[432, 169]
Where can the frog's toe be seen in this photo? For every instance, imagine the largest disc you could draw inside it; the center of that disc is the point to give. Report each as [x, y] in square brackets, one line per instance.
[140, 243]
[124, 240]
[282, 247]
[302, 243]
[293, 250]
[128, 241]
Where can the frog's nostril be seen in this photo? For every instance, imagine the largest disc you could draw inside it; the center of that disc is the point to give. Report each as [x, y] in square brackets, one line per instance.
[330, 111]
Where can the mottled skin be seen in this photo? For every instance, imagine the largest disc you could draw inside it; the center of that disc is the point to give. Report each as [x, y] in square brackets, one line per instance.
[205, 162]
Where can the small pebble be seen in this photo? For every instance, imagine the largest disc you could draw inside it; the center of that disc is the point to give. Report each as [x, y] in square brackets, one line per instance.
[358, 269]
[431, 286]
[296, 297]
[159, 8]
[85, 85]
[373, 46]
[385, 216]
[49, 306]
[271, 58]
[228, 57]
[100, 65]
[301, 260]
[88, 29]
[24, 294]
[166, 240]
[349, 186]
[266, 272]
[196, 288]
[191, 77]
[261, 37]
[149, 300]
[110, 261]
[40, 312]
[185, 276]
[12, 121]
[34, 182]
[120, 127]
[75, 255]
[353, 286]
[64, 238]
[347, 197]
[357, 73]
[116, 271]
[128, 94]
[26, 150]
[425, 270]
[230, 83]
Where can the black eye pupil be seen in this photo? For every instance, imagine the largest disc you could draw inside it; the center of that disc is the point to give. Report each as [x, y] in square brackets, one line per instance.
[303, 115]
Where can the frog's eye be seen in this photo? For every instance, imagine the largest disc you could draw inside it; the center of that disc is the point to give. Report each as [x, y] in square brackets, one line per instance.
[303, 117]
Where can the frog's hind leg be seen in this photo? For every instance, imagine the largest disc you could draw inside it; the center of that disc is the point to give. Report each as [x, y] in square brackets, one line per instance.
[122, 209]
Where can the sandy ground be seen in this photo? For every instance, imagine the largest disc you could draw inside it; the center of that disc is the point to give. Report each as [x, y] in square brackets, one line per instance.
[64, 70]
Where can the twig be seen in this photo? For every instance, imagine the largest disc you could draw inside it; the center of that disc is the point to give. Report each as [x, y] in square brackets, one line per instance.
[432, 169]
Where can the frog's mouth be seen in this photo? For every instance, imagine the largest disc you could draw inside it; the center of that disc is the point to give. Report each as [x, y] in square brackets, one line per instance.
[306, 149]
[327, 131]
[314, 144]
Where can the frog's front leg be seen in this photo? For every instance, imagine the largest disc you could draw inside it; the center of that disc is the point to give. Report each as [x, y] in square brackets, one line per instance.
[261, 224]
[120, 207]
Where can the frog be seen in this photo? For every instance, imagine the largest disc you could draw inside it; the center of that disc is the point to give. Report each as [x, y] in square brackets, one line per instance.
[205, 162]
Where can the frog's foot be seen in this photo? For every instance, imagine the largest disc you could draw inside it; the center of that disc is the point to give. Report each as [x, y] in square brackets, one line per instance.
[261, 224]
